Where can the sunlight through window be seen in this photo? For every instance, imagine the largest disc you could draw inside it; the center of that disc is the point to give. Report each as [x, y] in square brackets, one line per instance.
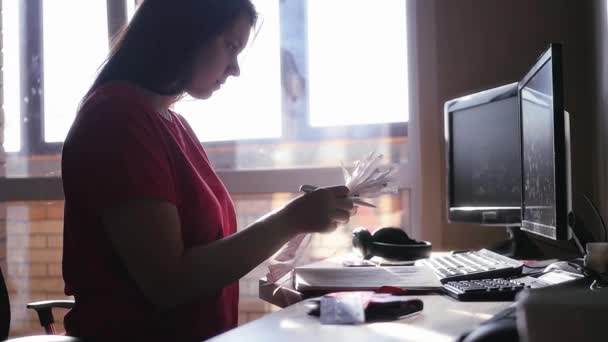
[302, 75]
[248, 106]
[75, 46]
[130, 9]
[357, 55]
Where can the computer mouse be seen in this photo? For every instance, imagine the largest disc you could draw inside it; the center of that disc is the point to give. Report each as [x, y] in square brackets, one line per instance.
[562, 266]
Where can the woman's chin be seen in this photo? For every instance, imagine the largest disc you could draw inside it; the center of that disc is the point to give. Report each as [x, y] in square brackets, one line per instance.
[201, 95]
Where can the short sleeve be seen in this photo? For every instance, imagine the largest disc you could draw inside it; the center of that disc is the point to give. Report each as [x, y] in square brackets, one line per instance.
[117, 152]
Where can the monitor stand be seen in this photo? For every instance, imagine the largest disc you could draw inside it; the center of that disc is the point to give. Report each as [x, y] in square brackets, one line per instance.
[517, 246]
[580, 231]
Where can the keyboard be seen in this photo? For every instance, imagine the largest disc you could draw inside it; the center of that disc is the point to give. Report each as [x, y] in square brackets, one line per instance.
[498, 289]
[474, 265]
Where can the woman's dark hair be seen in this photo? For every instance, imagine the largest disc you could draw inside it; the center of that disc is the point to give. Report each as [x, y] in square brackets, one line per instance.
[157, 50]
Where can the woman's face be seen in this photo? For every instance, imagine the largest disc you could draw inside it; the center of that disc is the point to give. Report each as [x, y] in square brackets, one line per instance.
[217, 59]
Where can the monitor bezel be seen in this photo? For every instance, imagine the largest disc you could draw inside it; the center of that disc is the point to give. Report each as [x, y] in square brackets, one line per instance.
[485, 216]
[561, 231]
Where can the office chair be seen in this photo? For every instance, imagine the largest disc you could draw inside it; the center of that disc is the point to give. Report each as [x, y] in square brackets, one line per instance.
[45, 314]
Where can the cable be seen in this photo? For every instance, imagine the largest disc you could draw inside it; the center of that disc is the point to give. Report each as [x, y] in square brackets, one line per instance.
[597, 213]
[600, 281]
[584, 270]
[536, 267]
[545, 266]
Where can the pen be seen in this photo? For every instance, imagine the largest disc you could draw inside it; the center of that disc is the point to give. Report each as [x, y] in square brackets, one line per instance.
[310, 188]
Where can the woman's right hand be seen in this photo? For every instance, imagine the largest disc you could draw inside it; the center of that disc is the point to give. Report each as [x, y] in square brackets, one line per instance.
[318, 211]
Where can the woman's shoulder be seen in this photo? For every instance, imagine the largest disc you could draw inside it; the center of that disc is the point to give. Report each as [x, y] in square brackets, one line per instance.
[113, 98]
[111, 110]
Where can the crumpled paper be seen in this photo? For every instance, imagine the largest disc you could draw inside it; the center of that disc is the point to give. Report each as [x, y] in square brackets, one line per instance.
[368, 179]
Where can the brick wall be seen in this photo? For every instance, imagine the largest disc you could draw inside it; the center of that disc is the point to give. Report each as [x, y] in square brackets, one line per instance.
[32, 241]
[32, 259]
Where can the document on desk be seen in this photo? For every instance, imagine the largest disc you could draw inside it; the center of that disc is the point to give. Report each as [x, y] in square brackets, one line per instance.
[310, 278]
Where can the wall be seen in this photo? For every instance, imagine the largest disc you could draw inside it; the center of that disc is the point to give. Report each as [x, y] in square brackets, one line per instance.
[601, 98]
[2, 153]
[31, 259]
[471, 45]
[31, 245]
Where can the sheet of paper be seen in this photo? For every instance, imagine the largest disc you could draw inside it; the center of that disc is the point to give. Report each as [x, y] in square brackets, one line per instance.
[364, 278]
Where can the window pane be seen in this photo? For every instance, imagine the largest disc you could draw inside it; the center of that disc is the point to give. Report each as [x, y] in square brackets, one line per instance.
[10, 85]
[357, 66]
[75, 46]
[130, 9]
[248, 106]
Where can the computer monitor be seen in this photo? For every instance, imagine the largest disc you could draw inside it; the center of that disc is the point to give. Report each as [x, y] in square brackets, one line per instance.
[482, 137]
[545, 149]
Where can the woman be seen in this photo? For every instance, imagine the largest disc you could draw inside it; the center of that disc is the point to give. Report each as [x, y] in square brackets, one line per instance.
[151, 250]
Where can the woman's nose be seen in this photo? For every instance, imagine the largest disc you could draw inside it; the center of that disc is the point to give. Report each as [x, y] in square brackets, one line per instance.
[234, 69]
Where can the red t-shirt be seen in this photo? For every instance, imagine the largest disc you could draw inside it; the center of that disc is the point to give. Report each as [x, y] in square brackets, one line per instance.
[119, 148]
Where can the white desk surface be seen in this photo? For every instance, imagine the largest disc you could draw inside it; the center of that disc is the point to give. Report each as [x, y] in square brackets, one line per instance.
[442, 319]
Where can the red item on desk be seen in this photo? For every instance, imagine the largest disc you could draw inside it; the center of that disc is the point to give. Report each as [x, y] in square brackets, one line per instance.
[392, 290]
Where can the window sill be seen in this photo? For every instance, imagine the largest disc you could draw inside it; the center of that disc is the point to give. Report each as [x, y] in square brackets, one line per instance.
[31, 189]
[38, 178]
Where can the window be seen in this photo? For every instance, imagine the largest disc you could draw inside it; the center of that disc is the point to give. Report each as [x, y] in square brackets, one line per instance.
[336, 80]
[311, 95]
[303, 76]
[357, 68]
[46, 76]
[258, 113]
[70, 59]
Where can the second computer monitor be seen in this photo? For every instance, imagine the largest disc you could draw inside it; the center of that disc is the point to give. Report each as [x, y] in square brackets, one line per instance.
[546, 198]
[483, 157]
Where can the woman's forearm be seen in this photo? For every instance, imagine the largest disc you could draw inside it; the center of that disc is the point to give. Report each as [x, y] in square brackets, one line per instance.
[169, 274]
[205, 269]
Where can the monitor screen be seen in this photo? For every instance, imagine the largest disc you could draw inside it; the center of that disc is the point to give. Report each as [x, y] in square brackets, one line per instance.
[483, 157]
[544, 142]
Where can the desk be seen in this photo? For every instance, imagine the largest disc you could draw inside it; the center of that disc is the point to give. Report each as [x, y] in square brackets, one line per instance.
[443, 319]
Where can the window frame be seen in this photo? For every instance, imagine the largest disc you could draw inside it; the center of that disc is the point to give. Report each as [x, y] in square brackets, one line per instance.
[31, 108]
[252, 181]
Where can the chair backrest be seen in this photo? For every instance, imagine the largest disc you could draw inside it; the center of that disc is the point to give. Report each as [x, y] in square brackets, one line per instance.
[5, 309]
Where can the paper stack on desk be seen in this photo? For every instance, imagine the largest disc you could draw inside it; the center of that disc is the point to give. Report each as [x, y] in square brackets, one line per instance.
[325, 278]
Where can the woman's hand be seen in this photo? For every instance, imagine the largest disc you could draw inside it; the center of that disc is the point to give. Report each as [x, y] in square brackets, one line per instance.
[318, 211]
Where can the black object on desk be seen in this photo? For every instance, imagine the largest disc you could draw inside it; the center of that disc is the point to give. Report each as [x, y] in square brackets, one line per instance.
[377, 311]
[390, 243]
[484, 290]
[502, 326]
[500, 289]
